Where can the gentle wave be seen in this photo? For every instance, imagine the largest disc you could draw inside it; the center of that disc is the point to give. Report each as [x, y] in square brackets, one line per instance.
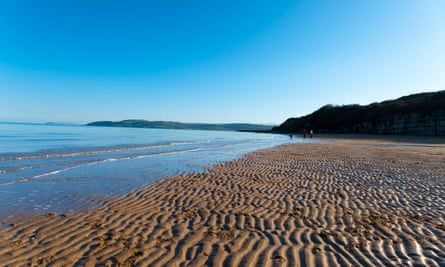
[97, 151]
[27, 179]
[29, 167]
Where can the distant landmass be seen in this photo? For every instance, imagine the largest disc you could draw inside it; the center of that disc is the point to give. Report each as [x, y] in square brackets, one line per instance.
[40, 123]
[186, 126]
[418, 114]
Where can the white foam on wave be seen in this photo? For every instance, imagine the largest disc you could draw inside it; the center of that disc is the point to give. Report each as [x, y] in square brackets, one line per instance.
[27, 179]
[104, 150]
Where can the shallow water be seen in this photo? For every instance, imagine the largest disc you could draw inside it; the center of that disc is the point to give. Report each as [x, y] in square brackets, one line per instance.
[62, 168]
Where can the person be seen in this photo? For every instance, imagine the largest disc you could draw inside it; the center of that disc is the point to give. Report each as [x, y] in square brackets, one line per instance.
[304, 133]
[311, 133]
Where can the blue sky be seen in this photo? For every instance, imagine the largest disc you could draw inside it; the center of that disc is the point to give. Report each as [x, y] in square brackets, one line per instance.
[212, 61]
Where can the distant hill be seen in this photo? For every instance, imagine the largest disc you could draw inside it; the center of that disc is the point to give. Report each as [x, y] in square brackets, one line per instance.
[418, 114]
[180, 125]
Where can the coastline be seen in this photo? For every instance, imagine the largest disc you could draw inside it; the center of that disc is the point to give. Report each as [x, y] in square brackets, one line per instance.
[60, 169]
[296, 204]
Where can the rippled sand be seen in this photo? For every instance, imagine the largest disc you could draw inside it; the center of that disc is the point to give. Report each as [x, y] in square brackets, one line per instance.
[293, 205]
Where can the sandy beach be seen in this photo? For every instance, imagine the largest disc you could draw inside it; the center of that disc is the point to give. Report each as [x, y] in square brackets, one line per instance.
[292, 205]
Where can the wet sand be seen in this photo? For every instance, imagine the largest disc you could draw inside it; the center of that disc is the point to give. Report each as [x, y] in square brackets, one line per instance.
[392, 140]
[293, 205]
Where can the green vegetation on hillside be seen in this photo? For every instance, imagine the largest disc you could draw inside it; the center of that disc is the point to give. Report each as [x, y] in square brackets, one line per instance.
[180, 125]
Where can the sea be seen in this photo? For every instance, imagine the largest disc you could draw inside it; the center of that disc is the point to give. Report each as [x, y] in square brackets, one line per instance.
[50, 168]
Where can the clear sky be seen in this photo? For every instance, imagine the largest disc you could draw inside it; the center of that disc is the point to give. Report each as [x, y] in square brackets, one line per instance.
[212, 61]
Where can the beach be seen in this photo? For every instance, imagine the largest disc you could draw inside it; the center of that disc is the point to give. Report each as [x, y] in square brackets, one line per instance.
[291, 205]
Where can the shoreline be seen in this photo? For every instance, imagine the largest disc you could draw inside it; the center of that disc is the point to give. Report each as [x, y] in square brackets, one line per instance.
[51, 168]
[296, 204]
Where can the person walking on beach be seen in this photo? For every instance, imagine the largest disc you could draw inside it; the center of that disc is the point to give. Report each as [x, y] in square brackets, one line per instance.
[311, 133]
[304, 133]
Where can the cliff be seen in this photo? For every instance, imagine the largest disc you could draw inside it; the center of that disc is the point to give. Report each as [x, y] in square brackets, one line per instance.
[419, 114]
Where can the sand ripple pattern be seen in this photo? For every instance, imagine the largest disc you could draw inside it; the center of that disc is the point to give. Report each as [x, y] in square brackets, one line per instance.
[294, 205]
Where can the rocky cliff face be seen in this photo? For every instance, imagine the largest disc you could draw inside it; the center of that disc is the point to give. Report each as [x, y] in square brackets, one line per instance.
[402, 124]
[420, 114]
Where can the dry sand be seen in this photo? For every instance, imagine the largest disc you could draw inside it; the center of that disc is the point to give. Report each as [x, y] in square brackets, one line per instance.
[293, 205]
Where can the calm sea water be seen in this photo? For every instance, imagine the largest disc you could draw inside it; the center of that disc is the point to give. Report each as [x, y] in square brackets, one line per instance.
[61, 168]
